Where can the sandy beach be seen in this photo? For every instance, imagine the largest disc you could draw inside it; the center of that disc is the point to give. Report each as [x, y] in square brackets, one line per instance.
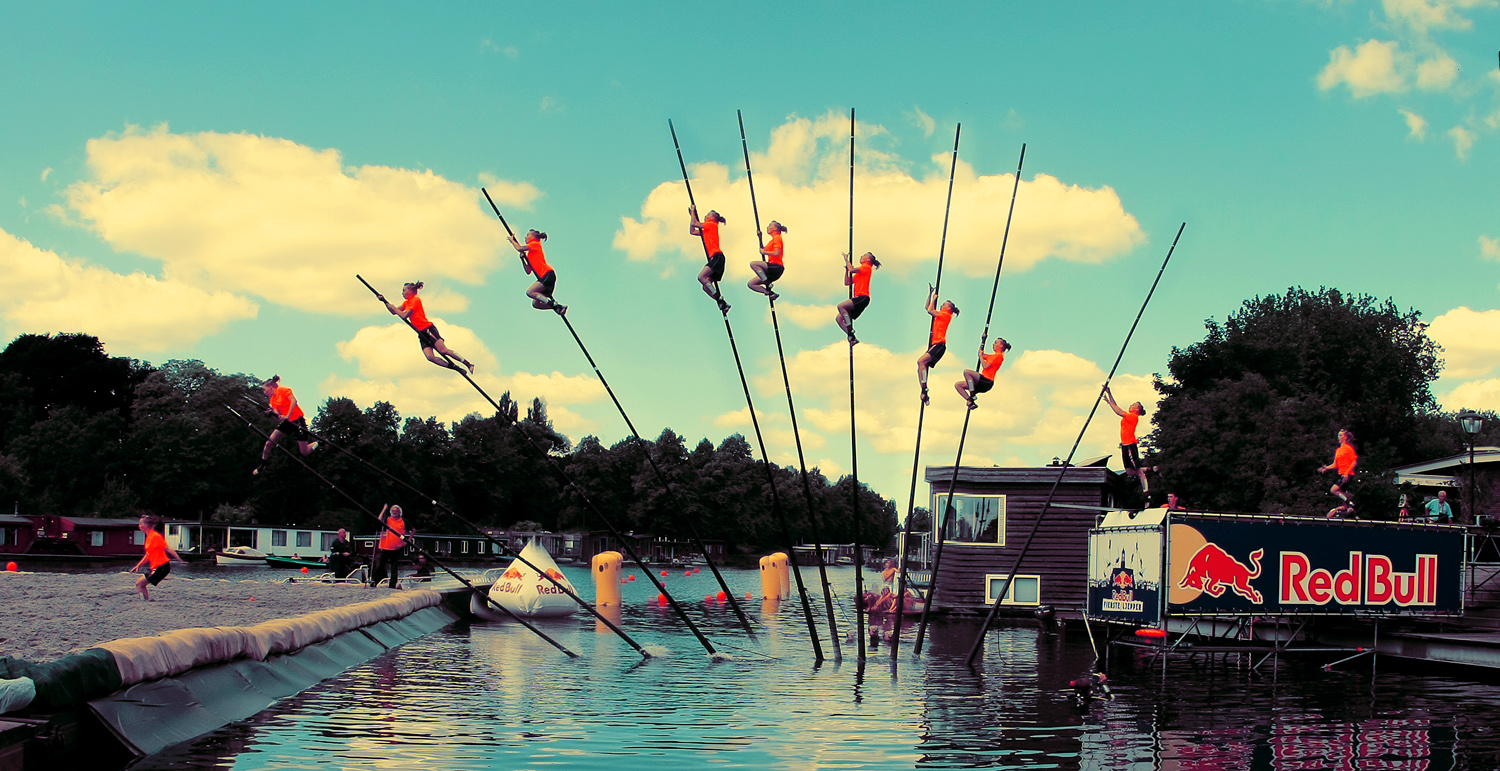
[47, 615]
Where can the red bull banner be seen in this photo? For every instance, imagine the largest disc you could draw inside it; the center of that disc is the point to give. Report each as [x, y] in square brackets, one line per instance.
[1249, 565]
[1125, 568]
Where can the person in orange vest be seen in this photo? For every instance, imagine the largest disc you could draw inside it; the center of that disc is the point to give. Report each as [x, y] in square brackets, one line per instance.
[428, 335]
[708, 229]
[976, 383]
[158, 559]
[393, 538]
[768, 270]
[1130, 453]
[1345, 459]
[937, 338]
[535, 262]
[283, 404]
[859, 278]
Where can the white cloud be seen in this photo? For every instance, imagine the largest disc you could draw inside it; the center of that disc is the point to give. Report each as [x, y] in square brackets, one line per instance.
[1422, 15]
[806, 316]
[1463, 141]
[510, 52]
[1489, 248]
[290, 223]
[134, 313]
[1470, 340]
[924, 122]
[1034, 412]
[391, 368]
[1437, 73]
[1416, 125]
[1368, 70]
[802, 181]
[47, 172]
[1474, 395]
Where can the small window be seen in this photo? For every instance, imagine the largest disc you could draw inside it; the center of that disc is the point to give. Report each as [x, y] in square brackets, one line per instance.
[304, 539]
[138, 538]
[466, 547]
[328, 539]
[278, 538]
[1028, 589]
[172, 529]
[96, 538]
[975, 518]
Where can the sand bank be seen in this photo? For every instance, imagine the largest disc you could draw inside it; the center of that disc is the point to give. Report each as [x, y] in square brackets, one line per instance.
[47, 615]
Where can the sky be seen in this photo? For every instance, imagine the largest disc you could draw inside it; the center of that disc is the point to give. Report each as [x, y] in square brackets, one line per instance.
[204, 181]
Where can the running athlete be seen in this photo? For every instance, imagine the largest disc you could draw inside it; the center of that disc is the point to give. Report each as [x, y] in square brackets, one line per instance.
[708, 230]
[428, 335]
[535, 263]
[1130, 453]
[859, 278]
[769, 269]
[937, 339]
[976, 383]
[158, 557]
[293, 421]
[1344, 460]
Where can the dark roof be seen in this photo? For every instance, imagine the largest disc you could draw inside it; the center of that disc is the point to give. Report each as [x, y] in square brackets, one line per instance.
[103, 521]
[1095, 475]
[8, 519]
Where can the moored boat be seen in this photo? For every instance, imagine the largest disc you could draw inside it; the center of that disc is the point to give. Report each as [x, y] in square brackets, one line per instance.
[295, 562]
[240, 555]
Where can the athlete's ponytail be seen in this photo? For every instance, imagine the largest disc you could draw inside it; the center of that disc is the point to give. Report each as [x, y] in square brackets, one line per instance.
[540, 236]
[873, 261]
[779, 227]
[415, 285]
[274, 381]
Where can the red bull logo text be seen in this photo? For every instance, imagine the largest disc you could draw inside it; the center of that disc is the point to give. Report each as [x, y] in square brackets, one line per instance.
[1369, 579]
[1212, 570]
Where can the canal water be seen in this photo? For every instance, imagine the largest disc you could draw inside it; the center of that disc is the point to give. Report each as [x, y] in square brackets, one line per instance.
[483, 696]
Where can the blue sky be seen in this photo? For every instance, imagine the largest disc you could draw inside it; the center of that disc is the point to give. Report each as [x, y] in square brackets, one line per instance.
[201, 181]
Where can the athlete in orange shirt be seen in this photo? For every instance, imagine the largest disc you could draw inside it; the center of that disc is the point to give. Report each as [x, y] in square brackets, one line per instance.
[158, 557]
[1345, 459]
[428, 335]
[535, 263]
[937, 339]
[770, 269]
[713, 271]
[859, 278]
[393, 538]
[976, 383]
[293, 421]
[1130, 454]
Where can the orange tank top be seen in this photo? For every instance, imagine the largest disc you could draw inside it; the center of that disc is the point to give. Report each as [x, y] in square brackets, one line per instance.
[1345, 458]
[418, 317]
[710, 236]
[1128, 423]
[940, 324]
[156, 549]
[392, 541]
[862, 280]
[774, 247]
[281, 400]
[536, 259]
[992, 364]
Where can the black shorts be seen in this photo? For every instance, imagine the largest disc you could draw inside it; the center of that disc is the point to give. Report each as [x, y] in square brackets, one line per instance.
[716, 266]
[1130, 455]
[774, 271]
[296, 429]
[548, 282]
[1343, 481]
[935, 353]
[860, 303]
[428, 337]
[983, 384]
[161, 571]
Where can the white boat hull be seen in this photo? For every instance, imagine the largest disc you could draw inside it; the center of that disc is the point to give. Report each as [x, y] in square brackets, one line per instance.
[240, 555]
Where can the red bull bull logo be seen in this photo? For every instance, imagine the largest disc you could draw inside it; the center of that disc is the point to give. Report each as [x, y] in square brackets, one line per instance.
[1212, 570]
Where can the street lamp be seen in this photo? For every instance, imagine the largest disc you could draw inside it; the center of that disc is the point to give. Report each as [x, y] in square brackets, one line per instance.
[1472, 422]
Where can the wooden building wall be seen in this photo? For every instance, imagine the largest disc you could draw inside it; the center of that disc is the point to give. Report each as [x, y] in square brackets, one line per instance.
[1058, 554]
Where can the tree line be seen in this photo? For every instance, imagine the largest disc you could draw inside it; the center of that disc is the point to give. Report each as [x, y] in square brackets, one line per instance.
[86, 434]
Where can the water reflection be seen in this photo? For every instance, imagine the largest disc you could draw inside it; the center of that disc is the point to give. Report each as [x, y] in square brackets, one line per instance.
[494, 696]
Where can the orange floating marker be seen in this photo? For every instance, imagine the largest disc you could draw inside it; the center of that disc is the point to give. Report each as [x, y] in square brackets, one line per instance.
[661, 599]
[304, 568]
[687, 572]
[708, 598]
[632, 576]
[664, 574]
[12, 567]
[1150, 632]
[722, 596]
[252, 599]
[747, 595]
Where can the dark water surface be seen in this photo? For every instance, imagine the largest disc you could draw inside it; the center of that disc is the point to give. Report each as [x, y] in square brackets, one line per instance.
[480, 696]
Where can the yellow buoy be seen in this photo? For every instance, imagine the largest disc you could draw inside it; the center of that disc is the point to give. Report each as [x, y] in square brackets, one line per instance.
[607, 578]
[783, 573]
[770, 582]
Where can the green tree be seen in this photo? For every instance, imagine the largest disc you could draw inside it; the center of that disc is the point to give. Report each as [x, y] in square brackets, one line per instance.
[1248, 414]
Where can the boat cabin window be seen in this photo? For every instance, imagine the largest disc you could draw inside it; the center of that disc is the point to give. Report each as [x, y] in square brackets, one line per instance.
[1028, 589]
[278, 538]
[138, 538]
[328, 539]
[975, 518]
[304, 539]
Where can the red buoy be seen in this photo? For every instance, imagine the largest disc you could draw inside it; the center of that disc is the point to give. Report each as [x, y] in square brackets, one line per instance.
[661, 599]
[1150, 632]
[12, 567]
[664, 574]
[304, 568]
[722, 596]
[687, 572]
